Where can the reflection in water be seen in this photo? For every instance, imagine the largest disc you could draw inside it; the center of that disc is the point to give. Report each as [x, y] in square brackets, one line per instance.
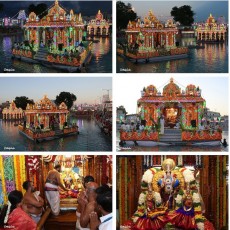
[90, 139]
[212, 59]
[101, 57]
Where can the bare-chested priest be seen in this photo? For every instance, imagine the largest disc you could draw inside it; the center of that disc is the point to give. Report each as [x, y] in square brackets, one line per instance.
[33, 201]
[53, 181]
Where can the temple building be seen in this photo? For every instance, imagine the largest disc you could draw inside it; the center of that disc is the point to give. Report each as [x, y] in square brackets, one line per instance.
[16, 169]
[184, 106]
[151, 34]
[12, 113]
[58, 30]
[172, 192]
[98, 26]
[211, 30]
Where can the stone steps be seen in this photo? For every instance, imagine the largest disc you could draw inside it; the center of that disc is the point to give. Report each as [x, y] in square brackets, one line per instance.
[171, 135]
[41, 55]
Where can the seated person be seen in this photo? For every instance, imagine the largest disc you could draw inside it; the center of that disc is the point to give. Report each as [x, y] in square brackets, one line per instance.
[33, 201]
[123, 127]
[17, 215]
[201, 126]
[132, 126]
[142, 127]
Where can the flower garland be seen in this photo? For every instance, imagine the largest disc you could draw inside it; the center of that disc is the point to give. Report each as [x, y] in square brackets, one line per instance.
[7, 213]
[3, 180]
[8, 165]
[23, 168]
[148, 175]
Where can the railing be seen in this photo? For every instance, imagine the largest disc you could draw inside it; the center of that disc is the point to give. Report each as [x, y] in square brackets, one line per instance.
[70, 130]
[24, 53]
[64, 60]
[139, 136]
[204, 135]
[36, 134]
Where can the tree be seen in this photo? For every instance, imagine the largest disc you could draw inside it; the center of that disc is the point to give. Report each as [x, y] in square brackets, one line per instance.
[40, 9]
[183, 14]
[66, 97]
[1, 7]
[124, 15]
[21, 102]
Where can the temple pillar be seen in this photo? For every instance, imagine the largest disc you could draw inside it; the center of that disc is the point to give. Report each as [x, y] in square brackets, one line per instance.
[80, 35]
[166, 40]
[101, 31]
[95, 30]
[55, 39]
[44, 37]
[107, 30]
[152, 40]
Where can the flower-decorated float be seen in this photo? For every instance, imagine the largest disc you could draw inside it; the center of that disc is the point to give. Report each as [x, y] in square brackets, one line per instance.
[170, 199]
[183, 118]
[55, 40]
[151, 40]
[46, 121]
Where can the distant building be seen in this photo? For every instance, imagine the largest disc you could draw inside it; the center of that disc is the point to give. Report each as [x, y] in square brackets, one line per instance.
[98, 26]
[121, 114]
[224, 123]
[211, 30]
[132, 118]
[12, 112]
[211, 115]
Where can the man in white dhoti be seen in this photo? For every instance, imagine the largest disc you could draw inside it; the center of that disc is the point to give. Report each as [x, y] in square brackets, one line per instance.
[53, 181]
[162, 123]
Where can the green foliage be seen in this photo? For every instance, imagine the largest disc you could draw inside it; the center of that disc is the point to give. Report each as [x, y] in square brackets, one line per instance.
[40, 9]
[124, 15]
[66, 97]
[183, 14]
[21, 102]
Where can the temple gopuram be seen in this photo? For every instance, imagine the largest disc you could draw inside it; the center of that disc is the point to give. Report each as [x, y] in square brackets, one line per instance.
[183, 117]
[172, 192]
[98, 26]
[12, 113]
[151, 38]
[211, 31]
[16, 169]
[45, 121]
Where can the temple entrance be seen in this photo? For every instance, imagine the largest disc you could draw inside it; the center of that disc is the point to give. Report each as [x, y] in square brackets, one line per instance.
[171, 116]
[60, 46]
[98, 31]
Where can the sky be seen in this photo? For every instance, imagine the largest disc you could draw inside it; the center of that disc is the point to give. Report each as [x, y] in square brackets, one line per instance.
[86, 8]
[87, 89]
[214, 90]
[162, 9]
